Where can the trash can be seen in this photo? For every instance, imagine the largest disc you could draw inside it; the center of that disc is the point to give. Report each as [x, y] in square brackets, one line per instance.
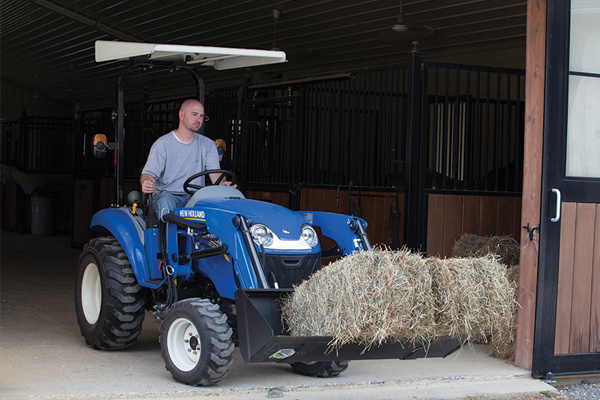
[42, 216]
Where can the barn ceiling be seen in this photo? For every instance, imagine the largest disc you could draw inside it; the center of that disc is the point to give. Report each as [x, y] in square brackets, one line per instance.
[47, 46]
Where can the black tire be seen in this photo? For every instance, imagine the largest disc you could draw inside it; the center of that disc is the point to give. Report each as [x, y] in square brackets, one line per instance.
[195, 342]
[110, 304]
[320, 369]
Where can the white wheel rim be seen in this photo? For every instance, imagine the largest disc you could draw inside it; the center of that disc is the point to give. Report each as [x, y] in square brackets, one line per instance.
[91, 293]
[183, 343]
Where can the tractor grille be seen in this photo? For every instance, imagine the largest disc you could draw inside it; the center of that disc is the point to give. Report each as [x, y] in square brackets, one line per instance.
[290, 270]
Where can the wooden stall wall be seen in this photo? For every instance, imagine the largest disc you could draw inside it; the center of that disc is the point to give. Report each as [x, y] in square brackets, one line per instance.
[450, 216]
[280, 198]
[381, 210]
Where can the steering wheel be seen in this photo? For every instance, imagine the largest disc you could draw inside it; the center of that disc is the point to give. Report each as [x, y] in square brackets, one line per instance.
[187, 185]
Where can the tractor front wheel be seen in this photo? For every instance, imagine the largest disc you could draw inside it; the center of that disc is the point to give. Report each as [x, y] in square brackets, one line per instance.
[110, 304]
[195, 342]
[320, 369]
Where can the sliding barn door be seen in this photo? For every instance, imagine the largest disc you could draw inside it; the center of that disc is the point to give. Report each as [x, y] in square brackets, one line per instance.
[567, 333]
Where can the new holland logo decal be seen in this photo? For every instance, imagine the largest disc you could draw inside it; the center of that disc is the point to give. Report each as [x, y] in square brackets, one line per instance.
[192, 214]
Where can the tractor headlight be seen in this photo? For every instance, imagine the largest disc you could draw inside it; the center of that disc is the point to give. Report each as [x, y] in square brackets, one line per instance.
[261, 235]
[309, 235]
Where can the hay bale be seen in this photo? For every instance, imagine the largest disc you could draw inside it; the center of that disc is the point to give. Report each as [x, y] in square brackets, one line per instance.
[503, 342]
[505, 248]
[364, 298]
[367, 298]
[472, 296]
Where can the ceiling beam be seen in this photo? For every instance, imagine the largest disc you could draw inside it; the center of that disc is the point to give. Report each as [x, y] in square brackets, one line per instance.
[87, 21]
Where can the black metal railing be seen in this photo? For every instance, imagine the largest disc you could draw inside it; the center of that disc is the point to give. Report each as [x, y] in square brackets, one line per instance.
[475, 127]
[38, 144]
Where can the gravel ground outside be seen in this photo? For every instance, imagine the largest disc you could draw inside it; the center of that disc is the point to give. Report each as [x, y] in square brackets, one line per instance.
[583, 391]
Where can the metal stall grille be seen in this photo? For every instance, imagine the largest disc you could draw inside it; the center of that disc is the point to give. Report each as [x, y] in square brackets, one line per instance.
[349, 131]
[38, 144]
[475, 125]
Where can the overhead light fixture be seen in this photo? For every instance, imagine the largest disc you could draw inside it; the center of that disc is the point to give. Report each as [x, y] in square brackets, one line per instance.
[399, 26]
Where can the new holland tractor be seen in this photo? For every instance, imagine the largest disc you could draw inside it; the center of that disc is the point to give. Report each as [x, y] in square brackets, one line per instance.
[212, 272]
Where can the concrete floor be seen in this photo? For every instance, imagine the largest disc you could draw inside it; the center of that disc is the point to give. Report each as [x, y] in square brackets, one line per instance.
[42, 354]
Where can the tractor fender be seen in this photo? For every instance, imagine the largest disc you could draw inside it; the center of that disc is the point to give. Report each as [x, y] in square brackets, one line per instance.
[127, 229]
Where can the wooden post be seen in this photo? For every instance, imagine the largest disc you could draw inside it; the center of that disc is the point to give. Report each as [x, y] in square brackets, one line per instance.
[532, 178]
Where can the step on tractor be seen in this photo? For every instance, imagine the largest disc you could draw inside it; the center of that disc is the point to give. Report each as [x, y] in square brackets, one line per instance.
[213, 272]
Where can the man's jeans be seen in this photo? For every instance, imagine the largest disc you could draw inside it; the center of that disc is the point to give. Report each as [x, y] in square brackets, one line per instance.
[165, 202]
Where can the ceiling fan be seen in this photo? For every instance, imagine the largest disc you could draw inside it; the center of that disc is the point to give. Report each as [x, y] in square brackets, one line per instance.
[403, 31]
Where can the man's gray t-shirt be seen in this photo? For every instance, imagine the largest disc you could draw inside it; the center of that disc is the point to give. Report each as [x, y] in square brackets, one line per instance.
[171, 162]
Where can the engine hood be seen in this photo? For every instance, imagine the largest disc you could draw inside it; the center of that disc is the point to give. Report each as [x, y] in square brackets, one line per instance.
[285, 223]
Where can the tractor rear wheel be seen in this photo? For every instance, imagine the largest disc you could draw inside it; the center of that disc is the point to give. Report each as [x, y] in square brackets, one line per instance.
[195, 342]
[110, 304]
[320, 369]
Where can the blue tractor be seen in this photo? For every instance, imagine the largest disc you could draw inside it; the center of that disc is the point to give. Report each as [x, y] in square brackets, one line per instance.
[213, 273]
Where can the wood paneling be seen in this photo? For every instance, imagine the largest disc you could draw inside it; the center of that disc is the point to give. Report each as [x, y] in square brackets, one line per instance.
[535, 86]
[281, 198]
[435, 225]
[488, 216]
[576, 312]
[565, 278]
[451, 216]
[595, 312]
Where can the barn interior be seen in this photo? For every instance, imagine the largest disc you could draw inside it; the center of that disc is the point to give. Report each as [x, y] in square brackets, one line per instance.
[332, 129]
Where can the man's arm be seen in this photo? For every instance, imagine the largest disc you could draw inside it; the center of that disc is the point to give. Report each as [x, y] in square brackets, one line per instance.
[214, 177]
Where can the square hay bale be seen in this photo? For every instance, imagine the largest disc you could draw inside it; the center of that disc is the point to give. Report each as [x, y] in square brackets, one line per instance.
[505, 248]
[472, 296]
[364, 298]
[368, 298]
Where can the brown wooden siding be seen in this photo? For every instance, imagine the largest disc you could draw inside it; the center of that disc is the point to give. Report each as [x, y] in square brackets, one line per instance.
[281, 198]
[451, 216]
[578, 297]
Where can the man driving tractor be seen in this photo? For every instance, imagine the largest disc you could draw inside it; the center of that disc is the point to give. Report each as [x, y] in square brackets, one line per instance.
[176, 156]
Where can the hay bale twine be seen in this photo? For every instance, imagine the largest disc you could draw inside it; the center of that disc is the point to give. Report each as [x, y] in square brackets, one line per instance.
[364, 298]
[505, 248]
[472, 296]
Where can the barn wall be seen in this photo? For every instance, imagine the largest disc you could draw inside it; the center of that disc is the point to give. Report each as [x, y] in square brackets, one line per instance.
[451, 216]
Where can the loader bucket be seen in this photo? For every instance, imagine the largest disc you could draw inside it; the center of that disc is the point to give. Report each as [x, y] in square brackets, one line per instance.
[263, 338]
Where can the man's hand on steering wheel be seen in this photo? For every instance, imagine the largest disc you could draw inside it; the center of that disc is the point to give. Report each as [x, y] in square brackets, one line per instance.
[187, 185]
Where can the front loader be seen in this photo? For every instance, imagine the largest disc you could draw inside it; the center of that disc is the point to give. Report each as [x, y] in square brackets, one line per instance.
[213, 273]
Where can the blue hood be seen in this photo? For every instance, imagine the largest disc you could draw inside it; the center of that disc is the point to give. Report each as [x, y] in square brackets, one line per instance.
[276, 217]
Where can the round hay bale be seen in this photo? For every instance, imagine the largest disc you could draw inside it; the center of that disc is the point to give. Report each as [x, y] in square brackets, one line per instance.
[472, 296]
[505, 248]
[364, 298]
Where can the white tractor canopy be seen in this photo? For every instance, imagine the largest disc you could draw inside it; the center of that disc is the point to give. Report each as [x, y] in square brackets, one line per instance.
[218, 57]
